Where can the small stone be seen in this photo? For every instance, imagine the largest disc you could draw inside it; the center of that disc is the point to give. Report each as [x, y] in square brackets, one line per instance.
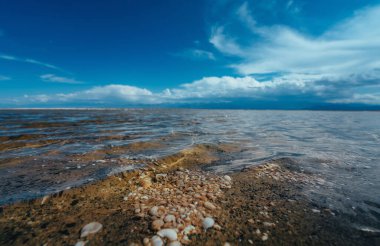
[209, 205]
[170, 234]
[157, 224]
[208, 223]
[146, 241]
[169, 218]
[153, 211]
[156, 241]
[264, 237]
[250, 241]
[269, 224]
[258, 232]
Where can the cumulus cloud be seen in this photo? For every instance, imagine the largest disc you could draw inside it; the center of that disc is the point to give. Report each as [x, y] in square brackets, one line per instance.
[30, 61]
[215, 89]
[107, 94]
[58, 79]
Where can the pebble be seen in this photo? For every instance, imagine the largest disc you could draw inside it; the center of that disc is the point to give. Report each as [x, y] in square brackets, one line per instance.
[153, 211]
[169, 218]
[156, 241]
[208, 223]
[146, 241]
[157, 224]
[269, 224]
[170, 234]
[91, 228]
[209, 205]
[264, 237]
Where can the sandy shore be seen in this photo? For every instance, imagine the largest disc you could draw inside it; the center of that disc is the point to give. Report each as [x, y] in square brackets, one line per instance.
[174, 201]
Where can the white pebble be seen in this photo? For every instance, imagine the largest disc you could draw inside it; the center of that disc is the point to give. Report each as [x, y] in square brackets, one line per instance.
[169, 218]
[157, 241]
[153, 211]
[208, 223]
[91, 228]
[170, 234]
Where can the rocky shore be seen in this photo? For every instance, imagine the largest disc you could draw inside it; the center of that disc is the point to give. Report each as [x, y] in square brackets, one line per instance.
[174, 201]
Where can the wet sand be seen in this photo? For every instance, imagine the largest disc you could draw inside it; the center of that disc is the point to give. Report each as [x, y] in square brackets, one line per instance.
[262, 205]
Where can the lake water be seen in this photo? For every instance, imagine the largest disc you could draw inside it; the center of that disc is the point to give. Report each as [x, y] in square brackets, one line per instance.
[39, 148]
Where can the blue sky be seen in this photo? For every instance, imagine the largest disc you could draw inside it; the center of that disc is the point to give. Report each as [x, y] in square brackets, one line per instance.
[290, 54]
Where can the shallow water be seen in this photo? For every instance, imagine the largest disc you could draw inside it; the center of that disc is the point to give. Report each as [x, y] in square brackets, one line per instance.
[39, 149]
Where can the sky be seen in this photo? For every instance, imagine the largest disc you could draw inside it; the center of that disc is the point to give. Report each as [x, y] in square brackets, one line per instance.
[259, 54]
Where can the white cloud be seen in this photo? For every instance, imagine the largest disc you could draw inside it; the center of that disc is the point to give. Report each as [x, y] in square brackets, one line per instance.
[366, 98]
[3, 78]
[107, 94]
[225, 44]
[207, 89]
[30, 61]
[197, 54]
[351, 47]
[58, 79]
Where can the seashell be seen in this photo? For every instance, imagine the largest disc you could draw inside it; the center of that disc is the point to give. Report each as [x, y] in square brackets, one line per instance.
[157, 224]
[269, 224]
[170, 234]
[91, 228]
[146, 241]
[81, 243]
[169, 218]
[45, 199]
[227, 178]
[209, 205]
[208, 223]
[153, 211]
[218, 227]
[175, 243]
[258, 232]
[156, 241]
[264, 237]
